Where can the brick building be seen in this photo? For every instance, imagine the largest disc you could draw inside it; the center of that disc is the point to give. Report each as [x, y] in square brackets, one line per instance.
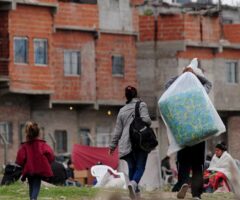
[64, 64]
[170, 39]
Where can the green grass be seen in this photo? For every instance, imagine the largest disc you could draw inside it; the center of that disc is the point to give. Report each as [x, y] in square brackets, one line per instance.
[20, 191]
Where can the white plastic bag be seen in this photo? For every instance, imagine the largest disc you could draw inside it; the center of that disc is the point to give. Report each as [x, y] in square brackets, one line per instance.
[188, 113]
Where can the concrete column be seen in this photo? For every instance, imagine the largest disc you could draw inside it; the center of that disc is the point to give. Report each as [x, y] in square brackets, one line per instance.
[234, 136]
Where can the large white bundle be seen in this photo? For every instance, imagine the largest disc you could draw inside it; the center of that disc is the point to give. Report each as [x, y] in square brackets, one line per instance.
[188, 113]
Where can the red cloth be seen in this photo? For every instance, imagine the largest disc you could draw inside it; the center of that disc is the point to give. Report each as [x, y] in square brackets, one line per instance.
[84, 157]
[35, 158]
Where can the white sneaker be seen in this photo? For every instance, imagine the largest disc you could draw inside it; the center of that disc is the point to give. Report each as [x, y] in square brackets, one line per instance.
[132, 189]
[196, 198]
[182, 192]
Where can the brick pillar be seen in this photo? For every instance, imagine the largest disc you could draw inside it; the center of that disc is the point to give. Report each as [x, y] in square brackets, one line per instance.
[234, 136]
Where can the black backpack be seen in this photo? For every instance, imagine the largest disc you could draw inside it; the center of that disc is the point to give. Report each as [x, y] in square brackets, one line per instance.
[141, 135]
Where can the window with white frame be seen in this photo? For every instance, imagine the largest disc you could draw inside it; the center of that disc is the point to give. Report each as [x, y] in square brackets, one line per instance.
[117, 65]
[20, 50]
[6, 132]
[40, 51]
[72, 63]
[232, 72]
[61, 141]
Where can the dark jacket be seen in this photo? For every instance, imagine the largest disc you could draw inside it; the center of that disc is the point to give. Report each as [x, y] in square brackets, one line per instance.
[35, 157]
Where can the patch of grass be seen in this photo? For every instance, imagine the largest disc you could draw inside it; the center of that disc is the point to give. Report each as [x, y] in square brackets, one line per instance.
[20, 191]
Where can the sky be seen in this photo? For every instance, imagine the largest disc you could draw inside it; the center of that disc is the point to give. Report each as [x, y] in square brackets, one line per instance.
[229, 2]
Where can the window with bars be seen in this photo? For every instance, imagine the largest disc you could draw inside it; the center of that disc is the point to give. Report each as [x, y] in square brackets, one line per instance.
[72, 63]
[40, 51]
[20, 50]
[232, 72]
[6, 131]
[117, 65]
[61, 140]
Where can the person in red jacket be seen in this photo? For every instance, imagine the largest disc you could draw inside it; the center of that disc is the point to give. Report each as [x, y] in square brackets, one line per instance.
[35, 157]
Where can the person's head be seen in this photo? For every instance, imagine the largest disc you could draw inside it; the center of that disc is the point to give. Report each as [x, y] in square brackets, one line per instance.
[220, 148]
[130, 93]
[70, 164]
[31, 130]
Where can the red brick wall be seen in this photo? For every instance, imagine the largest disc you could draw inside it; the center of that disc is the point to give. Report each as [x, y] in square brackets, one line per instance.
[170, 27]
[4, 43]
[201, 53]
[111, 87]
[137, 2]
[211, 29]
[232, 32]
[180, 27]
[74, 87]
[146, 28]
[29, 77]
[229, 54]
[192, 27]
[74, 14]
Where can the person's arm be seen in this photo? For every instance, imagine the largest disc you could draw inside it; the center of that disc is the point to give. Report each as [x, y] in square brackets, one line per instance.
[205, 82]
[170, 82]
[116, 134]
[144, 114]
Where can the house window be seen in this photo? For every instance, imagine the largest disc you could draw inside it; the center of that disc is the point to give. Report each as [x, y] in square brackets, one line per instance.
[72, 63]
[84, 136]
[20, 50]
[103, 135]
[40, 51]
[232, 72]
[61, 141]
[6, 132]
[117, 65]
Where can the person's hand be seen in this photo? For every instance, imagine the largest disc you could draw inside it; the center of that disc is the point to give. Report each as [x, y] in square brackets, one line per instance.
[188, 69]
[110, 152]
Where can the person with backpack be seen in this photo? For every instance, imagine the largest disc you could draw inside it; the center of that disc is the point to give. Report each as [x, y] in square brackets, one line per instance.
[135, 157]
[35, 157]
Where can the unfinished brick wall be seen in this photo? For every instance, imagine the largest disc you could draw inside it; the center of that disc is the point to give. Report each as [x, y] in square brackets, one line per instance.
[180, 27]
[192, 52]
[232, 32]
[111, 87]
[136, 2]
[170, 27]
[30, 77]
[234, 137]
[75, 87]
[4, 43]
[146, 28]
[80, 15]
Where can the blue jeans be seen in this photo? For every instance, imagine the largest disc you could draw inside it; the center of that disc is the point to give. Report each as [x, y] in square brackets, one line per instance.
[34, 186]
[136, 164]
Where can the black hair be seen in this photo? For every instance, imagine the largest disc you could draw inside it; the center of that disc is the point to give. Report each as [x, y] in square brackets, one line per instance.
[222, 146]
[130, 93]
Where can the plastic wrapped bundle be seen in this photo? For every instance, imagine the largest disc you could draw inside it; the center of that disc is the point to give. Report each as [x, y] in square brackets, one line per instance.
[188, 112]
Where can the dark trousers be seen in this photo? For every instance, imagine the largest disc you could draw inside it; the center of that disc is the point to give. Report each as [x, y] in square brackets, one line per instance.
[191, 158]
[136, 164]
[34, 186]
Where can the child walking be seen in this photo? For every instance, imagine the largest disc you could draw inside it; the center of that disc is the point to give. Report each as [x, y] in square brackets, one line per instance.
[35, 157]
